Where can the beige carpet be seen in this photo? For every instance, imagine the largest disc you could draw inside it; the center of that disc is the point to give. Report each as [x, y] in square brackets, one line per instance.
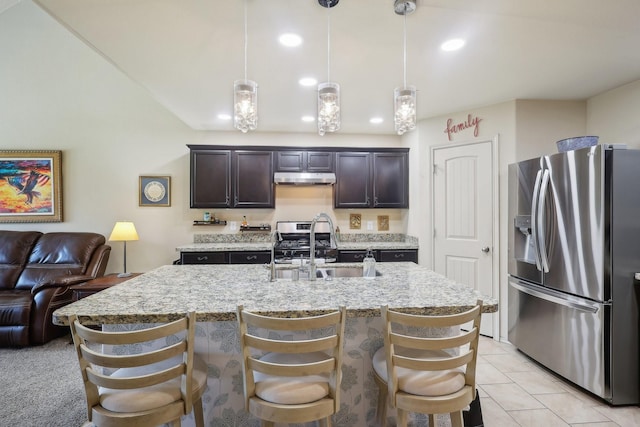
[41, 386]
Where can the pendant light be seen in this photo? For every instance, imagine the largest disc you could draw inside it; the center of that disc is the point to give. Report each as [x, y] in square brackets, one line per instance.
[328, 92]
[245, 94]
[404, 105]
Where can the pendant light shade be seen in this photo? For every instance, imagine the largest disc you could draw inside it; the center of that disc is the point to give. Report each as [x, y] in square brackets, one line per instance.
[405, 100]
[245, 94]
[328, 107]
[404, 109]
[245, 105]
[328, 92]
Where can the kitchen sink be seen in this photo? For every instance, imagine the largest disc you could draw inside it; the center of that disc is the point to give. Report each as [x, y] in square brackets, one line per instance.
[326, 273]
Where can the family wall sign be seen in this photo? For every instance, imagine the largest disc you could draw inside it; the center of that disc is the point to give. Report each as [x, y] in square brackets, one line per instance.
[470, 123]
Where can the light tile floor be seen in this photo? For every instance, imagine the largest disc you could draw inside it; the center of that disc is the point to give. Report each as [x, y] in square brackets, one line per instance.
[516, 391]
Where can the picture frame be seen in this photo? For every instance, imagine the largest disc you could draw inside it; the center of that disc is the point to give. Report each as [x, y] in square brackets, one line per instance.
[355, 221]
[30, 186]
[154, 190]
[383, 222]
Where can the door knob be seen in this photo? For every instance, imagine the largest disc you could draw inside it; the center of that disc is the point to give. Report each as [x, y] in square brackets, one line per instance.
[485, 249]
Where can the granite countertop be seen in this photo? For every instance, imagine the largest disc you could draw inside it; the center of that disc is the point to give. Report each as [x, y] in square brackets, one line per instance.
[214, 291]
[262, 242]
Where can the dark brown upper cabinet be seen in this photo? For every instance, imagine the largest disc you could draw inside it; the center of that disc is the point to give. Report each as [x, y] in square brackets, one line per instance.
[253, 179]
[372, 179]
[242, 177]
[210, 178]
[231, 178]
[304, 161]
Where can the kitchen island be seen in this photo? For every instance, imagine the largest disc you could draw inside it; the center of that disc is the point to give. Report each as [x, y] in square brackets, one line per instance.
[214, 291]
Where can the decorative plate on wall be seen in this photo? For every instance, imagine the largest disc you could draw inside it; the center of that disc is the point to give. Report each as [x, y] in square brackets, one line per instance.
[155, 191]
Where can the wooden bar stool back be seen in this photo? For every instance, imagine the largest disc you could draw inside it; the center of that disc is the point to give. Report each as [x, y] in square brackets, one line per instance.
[291, 380]
[147, 388]
[428, 375]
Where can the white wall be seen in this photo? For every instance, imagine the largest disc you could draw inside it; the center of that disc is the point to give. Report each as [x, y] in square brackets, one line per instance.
[497, 122]
[613, 115]
[59, 94]
[539, 124]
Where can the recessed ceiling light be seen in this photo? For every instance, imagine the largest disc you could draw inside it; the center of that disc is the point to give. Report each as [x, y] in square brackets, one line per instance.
[308, 119]
[376, 120]
[308, 81]
[453, 44]
[290, 40]
[224, 116]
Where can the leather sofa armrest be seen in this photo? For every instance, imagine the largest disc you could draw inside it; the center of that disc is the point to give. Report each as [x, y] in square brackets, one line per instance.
[61, 281]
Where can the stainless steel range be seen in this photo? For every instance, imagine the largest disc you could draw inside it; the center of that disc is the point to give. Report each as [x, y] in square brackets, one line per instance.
[293, 242]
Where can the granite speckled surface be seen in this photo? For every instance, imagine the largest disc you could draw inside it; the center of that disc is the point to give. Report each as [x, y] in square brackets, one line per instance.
[214, 291]
[262, 242]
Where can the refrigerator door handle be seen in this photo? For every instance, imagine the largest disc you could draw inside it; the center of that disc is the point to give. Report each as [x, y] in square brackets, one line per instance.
[547, 296]
[541, 218]
[534, 218]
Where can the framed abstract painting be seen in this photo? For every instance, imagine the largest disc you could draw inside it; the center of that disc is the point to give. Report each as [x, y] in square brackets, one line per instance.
[30, 186]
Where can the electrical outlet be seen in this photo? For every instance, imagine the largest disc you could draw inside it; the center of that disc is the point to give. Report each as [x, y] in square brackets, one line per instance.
[233, 226]
[369, 225]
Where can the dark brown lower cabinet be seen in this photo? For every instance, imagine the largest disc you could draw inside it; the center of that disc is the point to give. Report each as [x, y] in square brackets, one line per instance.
[254, 257]
[381, 255]
[228, 257]
[204, 258]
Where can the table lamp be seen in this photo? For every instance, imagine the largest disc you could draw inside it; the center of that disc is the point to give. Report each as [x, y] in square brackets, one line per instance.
[124, 231]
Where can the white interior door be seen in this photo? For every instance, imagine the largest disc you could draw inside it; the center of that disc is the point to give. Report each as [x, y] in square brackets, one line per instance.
[463, 217]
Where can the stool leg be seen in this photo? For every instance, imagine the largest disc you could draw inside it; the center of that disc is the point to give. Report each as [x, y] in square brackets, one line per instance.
[456, 419]
[381, 410]
[402, 418]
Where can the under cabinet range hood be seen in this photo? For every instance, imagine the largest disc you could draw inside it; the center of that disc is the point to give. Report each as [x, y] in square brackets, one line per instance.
[304, 178]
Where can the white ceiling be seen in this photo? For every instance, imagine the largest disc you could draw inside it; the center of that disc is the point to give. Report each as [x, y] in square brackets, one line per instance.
[187, 53]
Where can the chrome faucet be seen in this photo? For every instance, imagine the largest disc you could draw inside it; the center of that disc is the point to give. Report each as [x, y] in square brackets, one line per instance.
[275, 237]
[312, 243]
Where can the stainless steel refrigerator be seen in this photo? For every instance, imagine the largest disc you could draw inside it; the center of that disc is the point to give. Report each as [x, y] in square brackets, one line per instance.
[574, 246]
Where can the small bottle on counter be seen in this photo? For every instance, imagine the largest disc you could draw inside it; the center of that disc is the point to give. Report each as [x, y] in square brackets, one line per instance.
[369, 265]
[338, 234]
[207, 216]
[244, 221]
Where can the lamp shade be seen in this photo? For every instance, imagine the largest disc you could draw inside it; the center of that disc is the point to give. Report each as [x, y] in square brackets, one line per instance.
[123, 231]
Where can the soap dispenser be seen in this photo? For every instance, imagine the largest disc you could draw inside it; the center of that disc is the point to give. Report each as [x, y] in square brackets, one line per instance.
[369, 265]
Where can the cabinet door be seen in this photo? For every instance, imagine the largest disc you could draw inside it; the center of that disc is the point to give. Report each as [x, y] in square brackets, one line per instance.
[210, 179]
[253, 179]
[203, 258]
[390, 180]
[353, 255]
[290, 161]
[398, 255]
[352, 188]
[250, 257]
[319, 161]
[304, 161]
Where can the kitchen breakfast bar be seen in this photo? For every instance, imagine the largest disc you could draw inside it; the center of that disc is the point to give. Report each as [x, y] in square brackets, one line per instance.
[214, 291]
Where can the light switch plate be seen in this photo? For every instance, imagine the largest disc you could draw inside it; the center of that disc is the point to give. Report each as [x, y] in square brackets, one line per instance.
[369, 225]
[233, 226]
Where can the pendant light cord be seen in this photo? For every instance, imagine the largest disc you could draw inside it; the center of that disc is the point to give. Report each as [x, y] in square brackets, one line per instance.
[329, 41]
[404, 42]
[245, 40]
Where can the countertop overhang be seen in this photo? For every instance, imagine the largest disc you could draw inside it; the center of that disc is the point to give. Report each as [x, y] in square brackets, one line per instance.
[266, 246]
[214, 291]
